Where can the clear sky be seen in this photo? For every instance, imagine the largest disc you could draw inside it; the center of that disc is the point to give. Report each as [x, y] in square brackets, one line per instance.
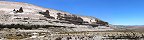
[122, 12]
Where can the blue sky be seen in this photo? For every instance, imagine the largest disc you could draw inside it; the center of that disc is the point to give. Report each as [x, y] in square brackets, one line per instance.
[121, 12]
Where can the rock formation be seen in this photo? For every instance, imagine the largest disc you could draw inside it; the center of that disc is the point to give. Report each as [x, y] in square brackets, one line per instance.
[20, 10]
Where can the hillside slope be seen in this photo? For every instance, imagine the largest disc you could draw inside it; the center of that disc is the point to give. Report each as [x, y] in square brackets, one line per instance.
[13, 13]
